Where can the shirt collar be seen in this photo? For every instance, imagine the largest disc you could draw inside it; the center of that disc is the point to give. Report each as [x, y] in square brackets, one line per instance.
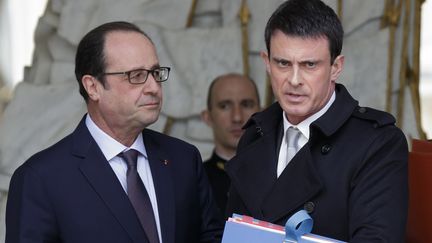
[304, 125]
[108, 145]
[216, 156]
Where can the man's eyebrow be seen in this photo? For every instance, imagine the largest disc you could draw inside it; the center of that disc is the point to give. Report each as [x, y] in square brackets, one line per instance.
[310, 60]
[156, 65]
[248, 100]
[279, 59]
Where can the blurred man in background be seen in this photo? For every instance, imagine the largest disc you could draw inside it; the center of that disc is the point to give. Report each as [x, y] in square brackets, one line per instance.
[231, 100]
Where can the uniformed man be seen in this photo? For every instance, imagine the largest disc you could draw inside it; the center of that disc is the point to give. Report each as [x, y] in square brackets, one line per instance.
[316, 148]
[232, 99]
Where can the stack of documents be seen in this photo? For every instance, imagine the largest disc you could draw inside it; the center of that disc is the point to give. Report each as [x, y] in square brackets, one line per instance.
[240, 228]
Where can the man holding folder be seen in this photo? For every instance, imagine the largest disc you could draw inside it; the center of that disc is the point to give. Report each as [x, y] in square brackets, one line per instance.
[316, 148]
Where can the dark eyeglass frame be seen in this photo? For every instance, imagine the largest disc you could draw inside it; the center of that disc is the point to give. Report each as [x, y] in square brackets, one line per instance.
[148, 71]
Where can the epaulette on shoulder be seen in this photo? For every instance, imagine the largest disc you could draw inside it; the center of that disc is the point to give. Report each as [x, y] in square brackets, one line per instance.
[250, 121]
[253, 122]
[379, 118]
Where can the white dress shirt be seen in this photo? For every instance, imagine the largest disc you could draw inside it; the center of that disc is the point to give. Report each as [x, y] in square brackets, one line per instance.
[111, 148]
[304, 129]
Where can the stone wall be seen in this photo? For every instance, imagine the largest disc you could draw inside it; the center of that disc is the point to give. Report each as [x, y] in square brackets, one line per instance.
[46, 105]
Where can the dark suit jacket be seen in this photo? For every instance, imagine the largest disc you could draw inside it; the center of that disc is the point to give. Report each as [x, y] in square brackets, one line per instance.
[351, 176]
[218, 178]
[69, 193]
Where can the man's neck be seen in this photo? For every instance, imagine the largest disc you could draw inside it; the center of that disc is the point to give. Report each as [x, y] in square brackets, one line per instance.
[124, 136]
[225, 154]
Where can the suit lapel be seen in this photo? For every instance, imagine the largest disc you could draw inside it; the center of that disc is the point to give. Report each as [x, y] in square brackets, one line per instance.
[279, 203]
[253, 173]
[162, 180]
[101, 177]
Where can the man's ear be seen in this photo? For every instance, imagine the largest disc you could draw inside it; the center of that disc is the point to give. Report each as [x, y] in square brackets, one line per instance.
[90, 85]
[205, 117]
[337, 67]
[265, 57]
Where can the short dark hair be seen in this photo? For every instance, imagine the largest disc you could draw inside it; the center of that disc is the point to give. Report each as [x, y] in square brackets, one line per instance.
[220, 77]
[307, 19]
[90, 56]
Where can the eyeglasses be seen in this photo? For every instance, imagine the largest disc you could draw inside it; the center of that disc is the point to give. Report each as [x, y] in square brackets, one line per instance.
[139, 76]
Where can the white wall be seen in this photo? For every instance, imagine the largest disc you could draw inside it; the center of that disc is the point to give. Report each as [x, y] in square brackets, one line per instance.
[18, 19]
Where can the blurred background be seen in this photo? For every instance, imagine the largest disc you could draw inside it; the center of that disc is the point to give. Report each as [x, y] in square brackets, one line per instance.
[388, 49]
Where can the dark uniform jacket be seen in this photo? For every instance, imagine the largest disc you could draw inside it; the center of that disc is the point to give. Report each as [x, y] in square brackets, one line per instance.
[351, 176]
[218, 178]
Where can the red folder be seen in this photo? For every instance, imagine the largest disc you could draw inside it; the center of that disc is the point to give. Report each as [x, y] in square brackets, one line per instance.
[420, 193]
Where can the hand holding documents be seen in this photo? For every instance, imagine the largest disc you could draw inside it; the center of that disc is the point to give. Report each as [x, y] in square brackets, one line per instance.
[297, 229]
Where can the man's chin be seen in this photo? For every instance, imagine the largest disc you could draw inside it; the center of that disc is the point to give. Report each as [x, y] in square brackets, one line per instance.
[234, 142]
[149, 119]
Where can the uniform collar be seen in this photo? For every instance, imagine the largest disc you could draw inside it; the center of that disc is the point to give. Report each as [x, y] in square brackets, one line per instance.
[216, 157]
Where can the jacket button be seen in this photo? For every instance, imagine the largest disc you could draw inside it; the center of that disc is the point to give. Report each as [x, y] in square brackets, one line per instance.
[325, 149]
[259, 131]
[362, 110]
[309, 207]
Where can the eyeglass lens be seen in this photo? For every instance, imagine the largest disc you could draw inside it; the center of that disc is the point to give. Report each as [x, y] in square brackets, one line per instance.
[140, 76]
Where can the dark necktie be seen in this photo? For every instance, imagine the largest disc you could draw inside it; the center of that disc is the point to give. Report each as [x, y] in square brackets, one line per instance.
[139, 197]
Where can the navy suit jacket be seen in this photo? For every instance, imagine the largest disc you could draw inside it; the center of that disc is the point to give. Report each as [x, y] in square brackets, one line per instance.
[69, 193]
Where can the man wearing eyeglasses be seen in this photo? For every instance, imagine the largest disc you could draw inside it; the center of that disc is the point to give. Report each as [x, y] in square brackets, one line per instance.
[113, 180]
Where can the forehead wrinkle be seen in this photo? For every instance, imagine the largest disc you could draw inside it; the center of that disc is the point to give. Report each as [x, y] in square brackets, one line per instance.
[285, 47]
[118, 52]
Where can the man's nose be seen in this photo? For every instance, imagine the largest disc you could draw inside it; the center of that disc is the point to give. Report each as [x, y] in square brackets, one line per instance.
[295, 78]
[237, 114]
[151, 85]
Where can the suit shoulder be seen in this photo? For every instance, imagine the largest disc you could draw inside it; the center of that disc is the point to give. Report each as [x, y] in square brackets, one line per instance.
[377, 117]
[166, 140]
[59, 147]
[51, 155]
